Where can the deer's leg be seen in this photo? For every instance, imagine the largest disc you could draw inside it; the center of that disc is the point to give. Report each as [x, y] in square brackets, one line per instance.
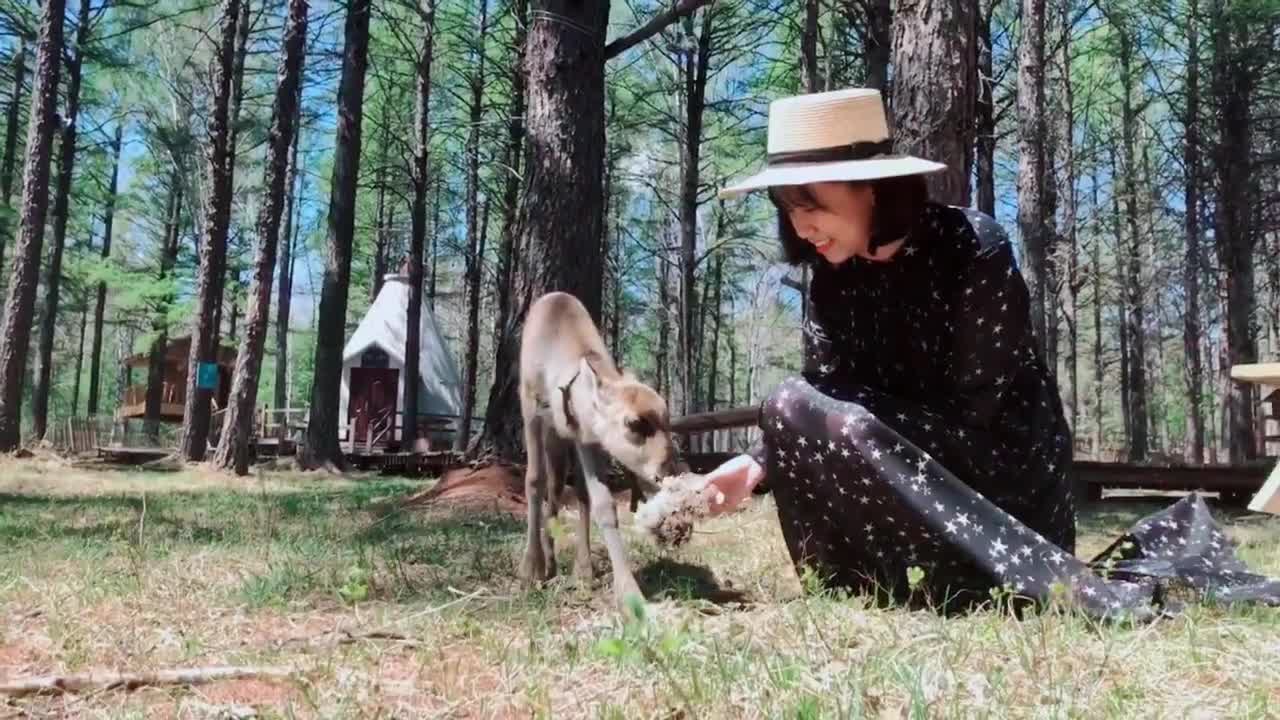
[605, 514]
[554, 457]
[533, 566]
[582, 570]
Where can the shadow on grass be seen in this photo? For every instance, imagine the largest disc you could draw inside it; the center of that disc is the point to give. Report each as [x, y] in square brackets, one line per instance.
[684, 581]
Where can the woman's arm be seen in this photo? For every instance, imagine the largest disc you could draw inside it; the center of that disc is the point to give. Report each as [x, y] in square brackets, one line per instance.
[992, 327]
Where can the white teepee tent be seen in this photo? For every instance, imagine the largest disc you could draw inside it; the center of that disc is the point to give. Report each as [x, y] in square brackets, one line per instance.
[379, 343]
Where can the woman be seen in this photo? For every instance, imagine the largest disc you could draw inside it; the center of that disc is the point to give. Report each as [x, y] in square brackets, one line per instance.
[925, 430]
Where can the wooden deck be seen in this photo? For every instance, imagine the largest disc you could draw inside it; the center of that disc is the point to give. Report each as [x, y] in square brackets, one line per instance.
[133, 455]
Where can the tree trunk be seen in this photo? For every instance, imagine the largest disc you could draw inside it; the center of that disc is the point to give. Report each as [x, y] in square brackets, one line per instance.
[664, 324]
[21, 300]
[418, 223]
[380, 237]
[12, 120]
[469, 381]
[561, 218]
[435, 231]
[879, 45]
[811, 75]
[1191, 259]
[1235, 239]
[61, 209]
[1031, 163]
[284, 294]
[714, 368]
[475, 234]
[1066, 127]
[695, 90]
[1133, 287]
[237, 99]
[84, 325]
[100, 306]
[321, 448]
[213, 244]
[1095, 274]
[160, 325]
[933, 90]
[986, 112]
[508, 253]
[237, 430]
[1126, 401]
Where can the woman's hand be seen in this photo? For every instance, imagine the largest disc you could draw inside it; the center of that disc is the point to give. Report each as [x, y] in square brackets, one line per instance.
[730, 484]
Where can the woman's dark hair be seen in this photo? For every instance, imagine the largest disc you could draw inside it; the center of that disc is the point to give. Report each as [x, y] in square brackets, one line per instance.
[899, 202]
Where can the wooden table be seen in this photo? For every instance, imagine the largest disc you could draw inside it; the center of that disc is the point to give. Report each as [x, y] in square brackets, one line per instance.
[1268, 498]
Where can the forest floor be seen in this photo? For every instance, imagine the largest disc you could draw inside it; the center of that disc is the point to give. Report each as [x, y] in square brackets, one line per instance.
[416, 613]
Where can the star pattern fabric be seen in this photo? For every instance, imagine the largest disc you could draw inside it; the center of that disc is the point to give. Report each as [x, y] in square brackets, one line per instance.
[925, 431]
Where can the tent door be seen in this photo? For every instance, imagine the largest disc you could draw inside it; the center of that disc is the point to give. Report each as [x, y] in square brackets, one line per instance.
[373, 400]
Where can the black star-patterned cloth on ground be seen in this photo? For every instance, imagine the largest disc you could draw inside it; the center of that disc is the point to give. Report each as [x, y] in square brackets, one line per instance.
[926, 435]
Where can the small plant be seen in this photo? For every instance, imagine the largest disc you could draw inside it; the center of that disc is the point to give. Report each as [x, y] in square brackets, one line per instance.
[356, 583]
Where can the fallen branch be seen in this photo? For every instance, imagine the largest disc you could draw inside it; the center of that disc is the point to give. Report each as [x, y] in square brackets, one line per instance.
[58, 684]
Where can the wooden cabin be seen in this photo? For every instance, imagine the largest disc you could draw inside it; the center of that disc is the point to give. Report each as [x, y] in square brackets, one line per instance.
[173, 395]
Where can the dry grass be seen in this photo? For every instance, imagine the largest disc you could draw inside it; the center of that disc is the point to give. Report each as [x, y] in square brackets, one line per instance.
[135, 570]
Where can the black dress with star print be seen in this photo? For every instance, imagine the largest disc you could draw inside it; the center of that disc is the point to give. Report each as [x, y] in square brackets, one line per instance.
[926, 431]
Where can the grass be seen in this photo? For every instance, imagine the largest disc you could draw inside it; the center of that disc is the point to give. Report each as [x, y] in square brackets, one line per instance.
[136, 570]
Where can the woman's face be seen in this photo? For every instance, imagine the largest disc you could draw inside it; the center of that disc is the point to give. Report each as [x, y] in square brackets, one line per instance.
[835, 217]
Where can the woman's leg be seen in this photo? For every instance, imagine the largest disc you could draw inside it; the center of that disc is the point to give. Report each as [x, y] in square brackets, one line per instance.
[868, 486]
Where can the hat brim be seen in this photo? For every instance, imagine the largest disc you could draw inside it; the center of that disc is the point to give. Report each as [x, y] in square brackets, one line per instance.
[845, 170]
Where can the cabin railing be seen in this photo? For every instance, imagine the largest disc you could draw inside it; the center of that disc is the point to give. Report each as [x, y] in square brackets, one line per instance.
[170, 394]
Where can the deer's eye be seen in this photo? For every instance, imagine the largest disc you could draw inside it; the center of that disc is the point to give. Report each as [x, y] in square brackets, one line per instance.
[640, 426]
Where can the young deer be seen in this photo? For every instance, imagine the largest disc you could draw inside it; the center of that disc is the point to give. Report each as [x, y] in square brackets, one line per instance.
[575, 400]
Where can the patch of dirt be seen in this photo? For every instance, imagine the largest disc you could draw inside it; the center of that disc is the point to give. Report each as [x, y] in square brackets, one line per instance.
[496, 486]
[251, 691]
[490, 487]
[16, 659]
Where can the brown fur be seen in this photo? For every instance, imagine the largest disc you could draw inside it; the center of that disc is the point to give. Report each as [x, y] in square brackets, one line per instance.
[575, 401]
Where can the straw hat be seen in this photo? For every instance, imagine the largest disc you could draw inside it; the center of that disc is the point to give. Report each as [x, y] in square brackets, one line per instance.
[829, 136]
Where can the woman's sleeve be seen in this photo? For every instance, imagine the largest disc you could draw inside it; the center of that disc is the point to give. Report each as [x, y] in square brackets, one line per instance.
[992, 328]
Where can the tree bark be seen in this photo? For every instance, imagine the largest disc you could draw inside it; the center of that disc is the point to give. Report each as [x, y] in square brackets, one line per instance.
[560, 219]
[1066, 127]
[237, 99]
[694, 73]
[811, 75]
[84, 326]
[100, 306]
[1195, 447]
[20, 303]
[1235, 239]
[1095, 274]
[473, 334]
[714, 369]
[1135, 302]
[61, 209]
[879, 46]
[284, 294]
[12, 120]
[418, 223]
[213, 244]
[508, 253]
[1031, 163]
[160, 325]
[237, 431]
[475, 233]
[933, 90]
[986, 112]
[321, 448]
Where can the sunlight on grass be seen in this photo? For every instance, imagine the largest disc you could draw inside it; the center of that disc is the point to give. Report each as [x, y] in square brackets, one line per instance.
[418, 613]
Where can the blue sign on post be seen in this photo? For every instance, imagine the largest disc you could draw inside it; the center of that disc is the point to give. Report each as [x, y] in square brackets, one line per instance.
[207, 376]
